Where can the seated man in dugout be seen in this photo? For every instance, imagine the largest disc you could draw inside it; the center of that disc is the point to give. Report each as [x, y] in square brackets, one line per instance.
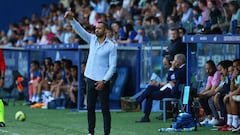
[170, 90]
[156, 81]
[59, 82]
[232, 103]
[72, 89]
[35, 78]
[213, 81]
[44, 84]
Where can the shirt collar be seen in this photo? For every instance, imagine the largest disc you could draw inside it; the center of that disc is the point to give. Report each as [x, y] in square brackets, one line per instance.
[182, 65]
[104, 42]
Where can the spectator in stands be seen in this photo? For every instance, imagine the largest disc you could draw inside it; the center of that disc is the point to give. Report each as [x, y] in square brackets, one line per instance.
[171, 22]
[104, 50]
[44, 40]
[60, 17]
[187, 12]
[100, 6]
[213, 81]
[12, 40]
[65, 3]
[215, 14]
[110, 35]
[235, 10]
[44, 11]
[53, 26]
[169, 90]
[141, 37]
[205, 11]
[167, 7]
[155, 30]
[55, 41]
[60, 33]
[129, 34]
[67, 33]
[197, 16]
[177, 9]
[118, 32]
[136, 7]
[119, 13]
[181, 31]
[47, 36]
[3, 38]
[12, 27]
[176, 46]
[224, 21]
[20, 42]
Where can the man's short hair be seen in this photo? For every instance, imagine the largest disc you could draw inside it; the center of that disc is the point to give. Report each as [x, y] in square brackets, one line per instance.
[180, 57]
[104, 24]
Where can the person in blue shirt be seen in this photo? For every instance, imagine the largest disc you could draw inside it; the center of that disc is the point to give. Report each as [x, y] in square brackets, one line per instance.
[129, 34]
[100, 67]
[35, 78]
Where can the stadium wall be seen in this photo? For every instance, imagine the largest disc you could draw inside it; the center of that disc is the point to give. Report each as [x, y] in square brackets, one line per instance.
[11, 11]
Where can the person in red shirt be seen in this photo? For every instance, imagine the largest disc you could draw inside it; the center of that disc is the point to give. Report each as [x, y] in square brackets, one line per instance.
[2, 77]
[2, 69]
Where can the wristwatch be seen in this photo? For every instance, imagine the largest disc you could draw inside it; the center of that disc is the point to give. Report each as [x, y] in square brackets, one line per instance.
[2, 78]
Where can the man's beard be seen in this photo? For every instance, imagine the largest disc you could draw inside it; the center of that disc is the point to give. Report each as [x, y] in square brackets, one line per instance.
[100, 35]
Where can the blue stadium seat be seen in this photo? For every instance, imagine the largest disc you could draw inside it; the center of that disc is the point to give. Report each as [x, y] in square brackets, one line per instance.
[164, 101]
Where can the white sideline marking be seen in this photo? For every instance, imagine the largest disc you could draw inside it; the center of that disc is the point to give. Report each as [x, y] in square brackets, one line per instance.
[3, 131]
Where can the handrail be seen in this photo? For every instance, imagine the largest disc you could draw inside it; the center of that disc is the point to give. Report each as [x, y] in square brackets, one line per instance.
[213, 38]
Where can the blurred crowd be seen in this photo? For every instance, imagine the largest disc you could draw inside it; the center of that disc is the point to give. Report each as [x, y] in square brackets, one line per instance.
[54, 84]
[130, 21]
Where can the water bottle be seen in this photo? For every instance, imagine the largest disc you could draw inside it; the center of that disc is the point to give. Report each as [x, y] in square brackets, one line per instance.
[189, 129]
[167, 130]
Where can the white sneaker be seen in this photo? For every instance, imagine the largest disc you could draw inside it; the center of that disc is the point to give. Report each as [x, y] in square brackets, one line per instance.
[234, 130]
[236, 98]
[205, 121]
[213, 121]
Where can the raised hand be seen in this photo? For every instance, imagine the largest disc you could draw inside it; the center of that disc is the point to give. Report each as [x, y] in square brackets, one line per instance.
[69, 15]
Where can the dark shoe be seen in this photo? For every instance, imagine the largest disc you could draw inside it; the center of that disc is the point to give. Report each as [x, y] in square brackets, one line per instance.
[28, 103]
[160, 117]
[135, 104]
[4, 102]
[143, 119]
[221, 123]
[2, 124]
[33, 103]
